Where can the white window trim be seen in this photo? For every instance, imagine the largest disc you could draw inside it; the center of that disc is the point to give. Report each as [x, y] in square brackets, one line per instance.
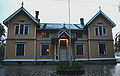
[41, 50]
[99, 30]
[76, 50]
[45, 37]
[105, 53]
[16, 48]
[23, 28]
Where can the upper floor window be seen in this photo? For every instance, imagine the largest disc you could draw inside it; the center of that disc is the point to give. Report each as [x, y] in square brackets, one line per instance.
[22, 29]
[102, 48]
[20, 49]
[100, 30]
[79, 35]
[45, 34]
[79, 49]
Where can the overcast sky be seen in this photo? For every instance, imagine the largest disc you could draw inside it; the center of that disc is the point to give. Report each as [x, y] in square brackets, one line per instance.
[56, 11]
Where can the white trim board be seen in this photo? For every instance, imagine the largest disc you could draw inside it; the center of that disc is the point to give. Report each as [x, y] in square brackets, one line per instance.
[19, 60]
[45, 60]
[85, 59]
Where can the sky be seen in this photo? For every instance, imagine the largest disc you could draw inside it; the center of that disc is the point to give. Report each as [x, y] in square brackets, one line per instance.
[56, 11]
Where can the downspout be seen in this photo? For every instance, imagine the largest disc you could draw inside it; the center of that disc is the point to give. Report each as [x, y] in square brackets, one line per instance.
[89, 56]
[35, 58]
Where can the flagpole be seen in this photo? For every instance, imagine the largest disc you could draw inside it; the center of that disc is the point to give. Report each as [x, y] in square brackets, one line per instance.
[70, 51]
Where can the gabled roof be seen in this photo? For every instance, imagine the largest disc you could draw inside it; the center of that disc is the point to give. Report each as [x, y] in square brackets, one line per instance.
[63, 30]
[100, 12]
[16, 12]
[58, 26]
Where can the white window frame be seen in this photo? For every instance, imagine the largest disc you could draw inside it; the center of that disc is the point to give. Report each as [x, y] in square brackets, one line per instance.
[76, 50]
[41, 50]
[105, 52]
[16, 48]
[99, 30]
[23, 28]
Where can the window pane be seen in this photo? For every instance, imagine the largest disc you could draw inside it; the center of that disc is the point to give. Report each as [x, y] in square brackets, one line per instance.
[104, 30]
[100, 30]
[16, 29]
[79, 49]
[96, 31]
[20, 50]
[45, 50]
[21, 28]
[79, 35]
[26, 29]
[102, 49]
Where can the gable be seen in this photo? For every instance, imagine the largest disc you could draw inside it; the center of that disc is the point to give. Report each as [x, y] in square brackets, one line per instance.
[100, 13]
[18, 12]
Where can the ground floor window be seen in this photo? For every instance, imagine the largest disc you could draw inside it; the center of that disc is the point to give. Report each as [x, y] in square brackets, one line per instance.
[79, 49]
[102, 48]
[20, 49]
[45, 49]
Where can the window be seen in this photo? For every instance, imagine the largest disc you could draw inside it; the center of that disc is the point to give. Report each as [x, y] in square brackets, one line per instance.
[79, 35]
[20, 49]
[45, 34]
[102, 48]
[100, 31]
[26, 29]
[22, 29]
[45, 51]
[16, 29]
[79, 49]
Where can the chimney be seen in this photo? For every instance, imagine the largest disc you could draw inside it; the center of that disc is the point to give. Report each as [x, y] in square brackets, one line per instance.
[36, 15]
[82, 21]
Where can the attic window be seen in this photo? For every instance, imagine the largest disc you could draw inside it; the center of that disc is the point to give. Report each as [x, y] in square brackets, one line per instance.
[79, 35]
[45, 34]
